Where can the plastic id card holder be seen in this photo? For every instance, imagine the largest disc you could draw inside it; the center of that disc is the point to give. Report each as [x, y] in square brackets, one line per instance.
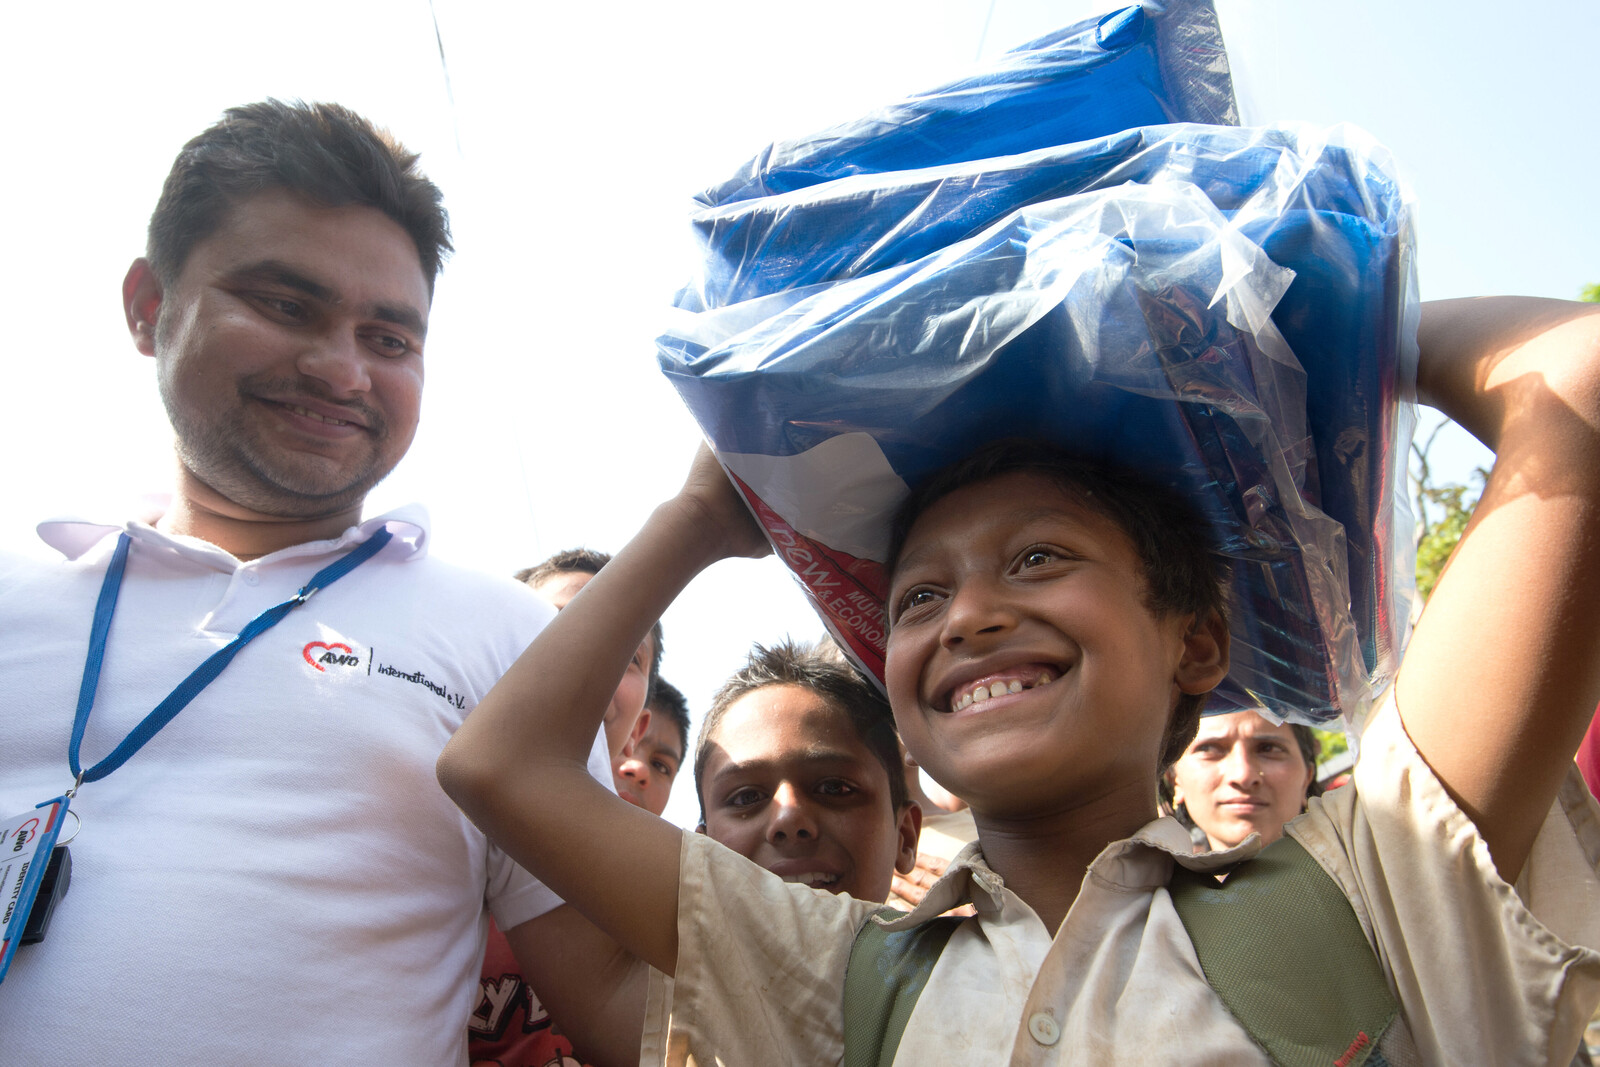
[27, 847]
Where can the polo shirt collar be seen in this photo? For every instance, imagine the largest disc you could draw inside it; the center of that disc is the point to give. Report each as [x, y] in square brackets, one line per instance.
[74, 537]
[1138, 863]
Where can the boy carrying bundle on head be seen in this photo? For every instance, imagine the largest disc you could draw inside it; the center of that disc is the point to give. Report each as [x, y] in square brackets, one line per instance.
[1053, 629]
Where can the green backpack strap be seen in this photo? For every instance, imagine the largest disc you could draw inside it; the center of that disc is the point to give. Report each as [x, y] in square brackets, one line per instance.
[1283, 949]
[885, 976]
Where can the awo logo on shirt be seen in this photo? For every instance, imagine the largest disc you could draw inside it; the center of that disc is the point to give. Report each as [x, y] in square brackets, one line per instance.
[336, 657]
[328, 656]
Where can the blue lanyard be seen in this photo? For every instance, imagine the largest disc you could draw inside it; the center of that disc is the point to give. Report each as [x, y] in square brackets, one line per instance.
[202, 675]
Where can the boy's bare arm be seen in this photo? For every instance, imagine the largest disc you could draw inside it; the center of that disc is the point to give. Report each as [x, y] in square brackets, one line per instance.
[517, 766]
[1502, 675]
[593, 990]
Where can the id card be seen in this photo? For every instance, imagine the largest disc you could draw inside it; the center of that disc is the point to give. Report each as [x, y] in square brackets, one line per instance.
[25, 844]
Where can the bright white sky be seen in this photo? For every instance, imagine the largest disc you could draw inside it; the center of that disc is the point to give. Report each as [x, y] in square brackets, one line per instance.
[568, 141]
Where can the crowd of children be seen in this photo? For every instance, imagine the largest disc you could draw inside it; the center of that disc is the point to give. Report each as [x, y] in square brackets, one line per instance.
[1054, 630]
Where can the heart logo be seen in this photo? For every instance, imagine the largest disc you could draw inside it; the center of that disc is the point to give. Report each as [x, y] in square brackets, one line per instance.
[335, 647]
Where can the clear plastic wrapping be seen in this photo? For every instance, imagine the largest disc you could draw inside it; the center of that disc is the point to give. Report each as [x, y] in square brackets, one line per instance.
[1231, 311]
[1140, 65]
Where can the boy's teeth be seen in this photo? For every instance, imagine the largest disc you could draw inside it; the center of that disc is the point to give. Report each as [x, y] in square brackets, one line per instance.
[988, 692]
[815, 879]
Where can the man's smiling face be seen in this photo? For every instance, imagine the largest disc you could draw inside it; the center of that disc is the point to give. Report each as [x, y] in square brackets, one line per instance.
[289, 354]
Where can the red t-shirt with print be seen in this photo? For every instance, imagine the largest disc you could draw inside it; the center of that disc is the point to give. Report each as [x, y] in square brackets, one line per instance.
[509, 1028]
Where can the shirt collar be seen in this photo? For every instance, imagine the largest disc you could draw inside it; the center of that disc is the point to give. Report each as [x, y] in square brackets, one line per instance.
[75, 537]
[1141, 862]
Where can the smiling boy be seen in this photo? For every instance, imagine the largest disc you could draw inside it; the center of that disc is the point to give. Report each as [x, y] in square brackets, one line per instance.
[1467, 848]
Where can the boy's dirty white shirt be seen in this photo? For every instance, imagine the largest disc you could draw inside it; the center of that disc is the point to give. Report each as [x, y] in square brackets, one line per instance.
[761, 963]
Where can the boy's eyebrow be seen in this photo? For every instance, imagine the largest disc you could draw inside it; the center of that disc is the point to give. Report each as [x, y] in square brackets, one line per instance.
[281, 273]
[810, 754]
[1023, 518]
[908, 559]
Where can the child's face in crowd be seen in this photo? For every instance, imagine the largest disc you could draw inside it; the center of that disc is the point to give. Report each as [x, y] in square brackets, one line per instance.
[622, 722]
[789, 784]
[1242, 775]
[645, 778]
[1025, 669]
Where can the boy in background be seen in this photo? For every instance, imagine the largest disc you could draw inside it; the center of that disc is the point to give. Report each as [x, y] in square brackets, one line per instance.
[646, 776]
[559, 579]
[798, 769]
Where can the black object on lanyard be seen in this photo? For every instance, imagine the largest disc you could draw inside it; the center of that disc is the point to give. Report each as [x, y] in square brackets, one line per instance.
[202, 675]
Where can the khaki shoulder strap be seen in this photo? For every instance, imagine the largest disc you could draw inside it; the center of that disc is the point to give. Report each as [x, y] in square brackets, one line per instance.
[1284, 951]
[885, 976]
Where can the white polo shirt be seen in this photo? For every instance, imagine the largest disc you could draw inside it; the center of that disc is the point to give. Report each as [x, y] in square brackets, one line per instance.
[276, 876]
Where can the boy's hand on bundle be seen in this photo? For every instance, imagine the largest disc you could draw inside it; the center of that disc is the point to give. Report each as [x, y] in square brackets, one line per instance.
[720, 513]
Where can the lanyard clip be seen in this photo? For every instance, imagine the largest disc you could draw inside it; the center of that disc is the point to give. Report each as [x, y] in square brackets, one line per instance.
[305, 594]
[74, 790]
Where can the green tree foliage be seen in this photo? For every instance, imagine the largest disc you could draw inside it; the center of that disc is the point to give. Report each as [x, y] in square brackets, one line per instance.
[1443, 510]
[1453, 508]
[1332, 743]
[1591, 293]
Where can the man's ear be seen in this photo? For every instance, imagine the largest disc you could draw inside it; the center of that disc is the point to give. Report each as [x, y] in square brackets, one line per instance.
[1205, 655]
[141, 304]
[910, 829]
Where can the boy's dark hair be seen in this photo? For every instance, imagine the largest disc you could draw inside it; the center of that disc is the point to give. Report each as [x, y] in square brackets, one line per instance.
[666, 701]
[822, 669]
[1174, 543]
[323, 152]
[588, 561]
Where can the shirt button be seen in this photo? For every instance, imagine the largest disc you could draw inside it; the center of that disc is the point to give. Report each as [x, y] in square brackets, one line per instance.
[1043, 1028]
[251, 578]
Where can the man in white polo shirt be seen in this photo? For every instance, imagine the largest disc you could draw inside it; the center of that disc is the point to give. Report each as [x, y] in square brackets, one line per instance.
[266, 871]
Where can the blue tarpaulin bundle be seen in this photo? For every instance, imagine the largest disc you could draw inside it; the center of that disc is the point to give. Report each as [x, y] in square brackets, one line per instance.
[1223, 309]
[1138, 66]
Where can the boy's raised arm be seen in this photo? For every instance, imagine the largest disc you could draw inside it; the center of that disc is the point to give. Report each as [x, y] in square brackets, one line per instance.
[517, 766]
[1502, 675]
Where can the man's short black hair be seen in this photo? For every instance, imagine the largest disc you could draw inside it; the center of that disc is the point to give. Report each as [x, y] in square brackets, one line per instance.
[323, 152]
[567, 561]
[589, 561]
[822, 669]
[1174, 543]
[668, 702]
